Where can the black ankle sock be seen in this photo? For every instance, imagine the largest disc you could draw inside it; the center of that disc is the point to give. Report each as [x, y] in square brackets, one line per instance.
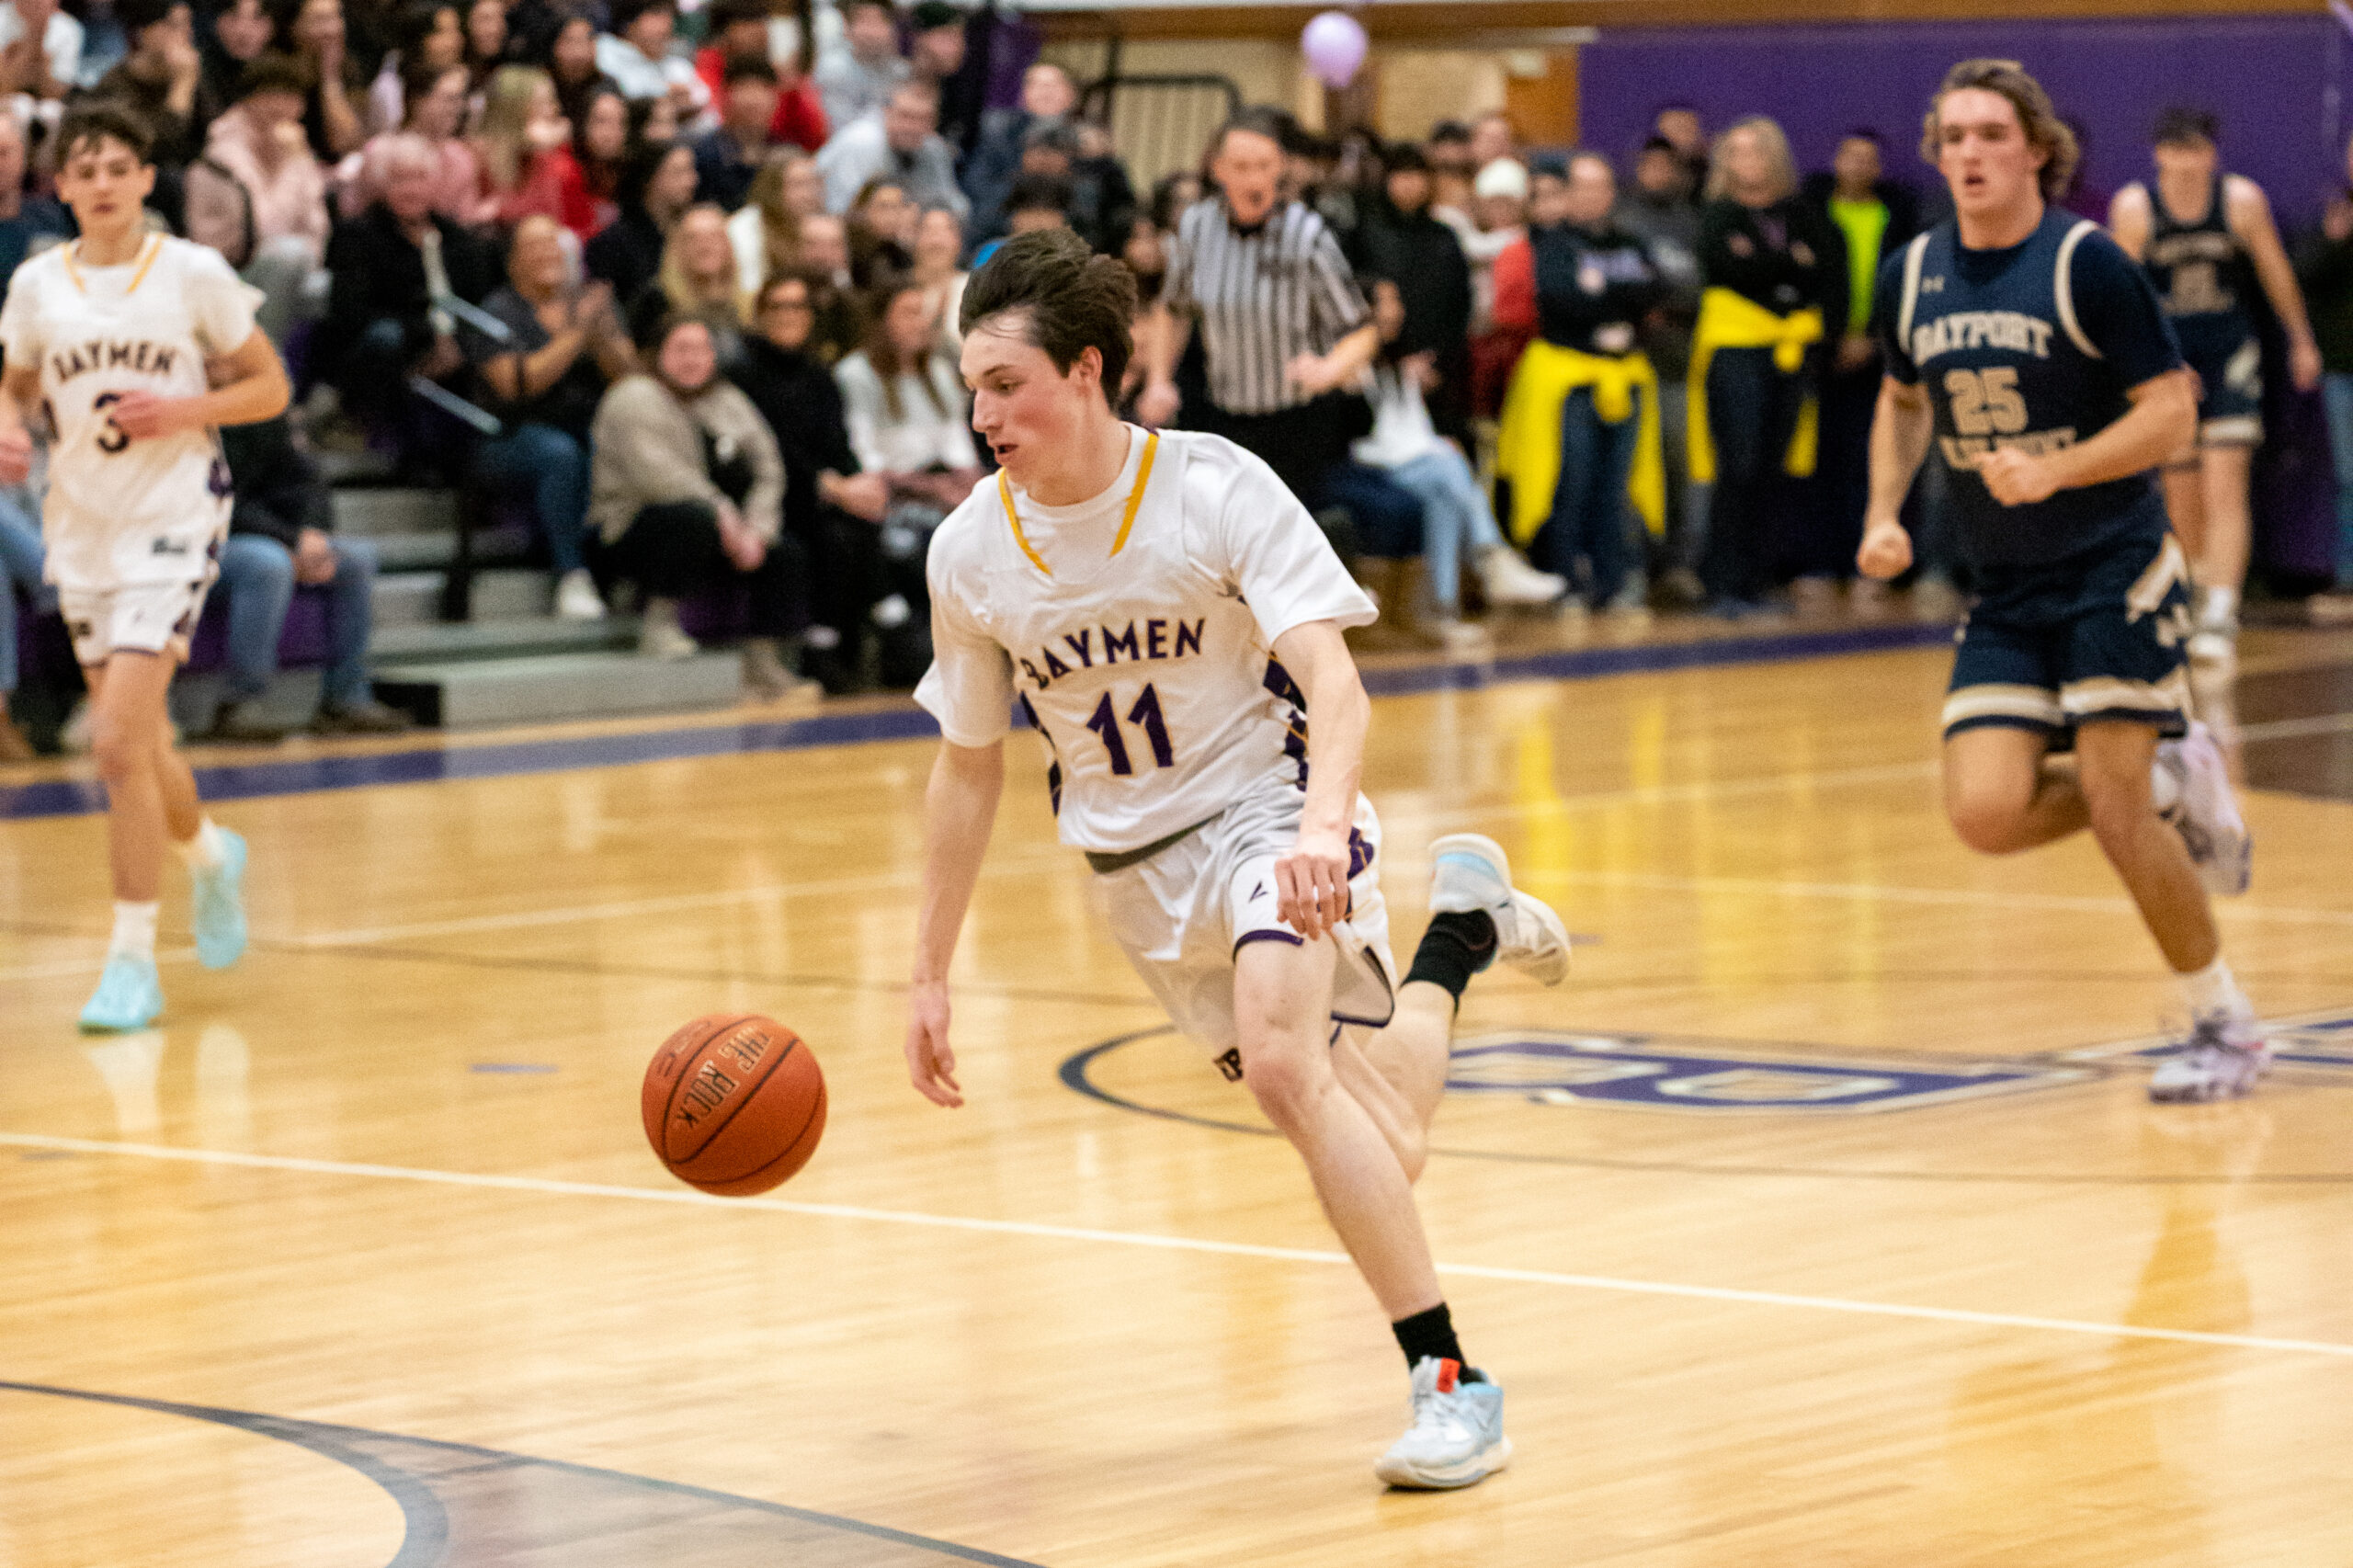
[1458, 945]
[1431, 1334]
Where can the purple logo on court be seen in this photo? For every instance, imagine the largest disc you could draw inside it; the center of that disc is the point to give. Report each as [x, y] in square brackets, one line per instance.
[1660, 1073]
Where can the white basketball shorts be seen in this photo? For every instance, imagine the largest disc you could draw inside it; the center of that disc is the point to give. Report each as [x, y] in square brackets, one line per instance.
[145, 618]
[1182, 914]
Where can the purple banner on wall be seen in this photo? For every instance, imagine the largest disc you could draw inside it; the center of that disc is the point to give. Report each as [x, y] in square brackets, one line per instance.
[2275, 81]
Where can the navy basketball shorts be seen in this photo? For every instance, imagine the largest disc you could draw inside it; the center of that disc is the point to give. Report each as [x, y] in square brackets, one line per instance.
[2230, 391]
[2098, 637]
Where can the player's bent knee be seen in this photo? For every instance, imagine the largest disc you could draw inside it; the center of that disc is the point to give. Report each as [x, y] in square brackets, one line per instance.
[1989, 821]
[2119, 806]
[120, 748]
[1286, 1082]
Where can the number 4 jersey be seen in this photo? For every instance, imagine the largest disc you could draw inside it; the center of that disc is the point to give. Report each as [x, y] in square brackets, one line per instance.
[2034, 346]
[1137, 630]
[123, 511]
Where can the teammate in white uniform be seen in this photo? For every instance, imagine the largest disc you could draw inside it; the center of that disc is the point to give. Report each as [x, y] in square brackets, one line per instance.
[1167, 616]
[108, 337]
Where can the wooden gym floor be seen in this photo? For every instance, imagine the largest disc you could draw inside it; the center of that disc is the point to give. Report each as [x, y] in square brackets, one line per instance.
[1820, 1220]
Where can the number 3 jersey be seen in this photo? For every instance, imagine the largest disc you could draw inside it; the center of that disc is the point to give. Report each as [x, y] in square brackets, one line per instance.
[1137, 631]
[122, 511]
[2034, 346]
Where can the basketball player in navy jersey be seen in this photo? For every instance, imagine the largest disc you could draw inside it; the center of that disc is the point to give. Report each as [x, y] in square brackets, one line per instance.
[2030, 351]
[2208, 242]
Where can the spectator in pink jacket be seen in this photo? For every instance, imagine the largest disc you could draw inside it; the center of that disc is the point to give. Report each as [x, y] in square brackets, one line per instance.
[264, 174]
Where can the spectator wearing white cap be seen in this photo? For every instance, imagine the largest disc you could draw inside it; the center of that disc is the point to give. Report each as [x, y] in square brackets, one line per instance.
[1498, 220]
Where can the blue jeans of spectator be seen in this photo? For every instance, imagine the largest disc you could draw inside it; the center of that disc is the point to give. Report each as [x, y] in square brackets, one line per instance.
[1458, 524]
[1752, 408]
[1589, 511]
[1387, 515]
[2337, 390]
[257, 575]
[20, 561]
[1687, 503]
[555, 464]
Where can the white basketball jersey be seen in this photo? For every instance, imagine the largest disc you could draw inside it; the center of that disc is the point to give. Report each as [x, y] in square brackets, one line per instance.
[1137, 630]
[122, 511]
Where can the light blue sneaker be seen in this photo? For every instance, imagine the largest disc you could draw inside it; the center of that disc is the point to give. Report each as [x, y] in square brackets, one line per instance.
[221, 906]
[1457, 1437]
[129, 996]
[1468, 871]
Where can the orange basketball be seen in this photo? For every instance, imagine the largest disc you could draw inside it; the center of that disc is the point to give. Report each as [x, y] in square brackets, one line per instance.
[733, 1104]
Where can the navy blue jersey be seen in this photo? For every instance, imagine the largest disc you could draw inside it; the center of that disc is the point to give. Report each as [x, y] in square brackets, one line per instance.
[2033, 346]
[2203, 273]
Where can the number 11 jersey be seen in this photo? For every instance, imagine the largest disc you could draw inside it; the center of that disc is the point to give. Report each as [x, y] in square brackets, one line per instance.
[122, 511]
[1137, 630]
[2033, 346]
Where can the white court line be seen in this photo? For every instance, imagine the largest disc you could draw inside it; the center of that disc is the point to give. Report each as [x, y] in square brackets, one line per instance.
[1760, 887]
[64, 968]
[2287, 729]
[687, 1196]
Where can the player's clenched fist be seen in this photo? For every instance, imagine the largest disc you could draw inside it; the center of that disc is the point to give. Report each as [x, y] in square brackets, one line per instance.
[2015, 477]
[1886, 551]
[15, 455]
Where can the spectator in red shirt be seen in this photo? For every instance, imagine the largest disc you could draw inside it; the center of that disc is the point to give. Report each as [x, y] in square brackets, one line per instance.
[738, 30]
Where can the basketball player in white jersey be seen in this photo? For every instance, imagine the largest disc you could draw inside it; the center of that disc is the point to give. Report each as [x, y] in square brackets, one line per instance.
[107, 338]
[1168, 617]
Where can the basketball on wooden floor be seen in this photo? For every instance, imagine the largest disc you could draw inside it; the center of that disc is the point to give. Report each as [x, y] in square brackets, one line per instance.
[733, 1103]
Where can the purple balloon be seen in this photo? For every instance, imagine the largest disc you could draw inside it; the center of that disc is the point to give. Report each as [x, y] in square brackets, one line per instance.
[1335, 44]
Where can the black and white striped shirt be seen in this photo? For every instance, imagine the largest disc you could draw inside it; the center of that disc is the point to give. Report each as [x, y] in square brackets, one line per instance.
[1262, 297]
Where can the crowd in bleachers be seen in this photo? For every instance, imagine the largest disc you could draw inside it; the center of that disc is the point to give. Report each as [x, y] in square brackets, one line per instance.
[703, 280]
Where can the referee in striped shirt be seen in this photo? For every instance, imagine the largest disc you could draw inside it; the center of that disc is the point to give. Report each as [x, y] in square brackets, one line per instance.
[1281, 320]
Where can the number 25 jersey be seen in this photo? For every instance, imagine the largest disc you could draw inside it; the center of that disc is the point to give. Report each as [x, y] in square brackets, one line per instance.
[2034, 346]
[120, 510]
[1137, 628]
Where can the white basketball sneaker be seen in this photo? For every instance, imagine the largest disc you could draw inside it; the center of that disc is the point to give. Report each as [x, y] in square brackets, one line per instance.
[2207, 815]
[1457, 1437]
[1508, 580]
[2226, 1058]
[1468, 871]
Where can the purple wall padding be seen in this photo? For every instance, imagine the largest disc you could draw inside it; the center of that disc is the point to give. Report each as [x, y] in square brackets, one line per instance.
[2274, 80]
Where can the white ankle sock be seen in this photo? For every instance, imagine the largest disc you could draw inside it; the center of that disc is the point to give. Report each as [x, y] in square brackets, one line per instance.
[2164, 789]
[2213, 992]
[134, 931]
[2222, 604]
[205, 850]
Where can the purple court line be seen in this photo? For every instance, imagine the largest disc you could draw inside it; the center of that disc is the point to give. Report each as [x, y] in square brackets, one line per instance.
[256, 780]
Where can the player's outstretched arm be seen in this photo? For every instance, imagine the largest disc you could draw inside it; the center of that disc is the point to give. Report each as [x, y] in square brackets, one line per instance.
[1312, 880]
[249, 386]
[2248, 212]
[1901, 428]
[960, 809]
